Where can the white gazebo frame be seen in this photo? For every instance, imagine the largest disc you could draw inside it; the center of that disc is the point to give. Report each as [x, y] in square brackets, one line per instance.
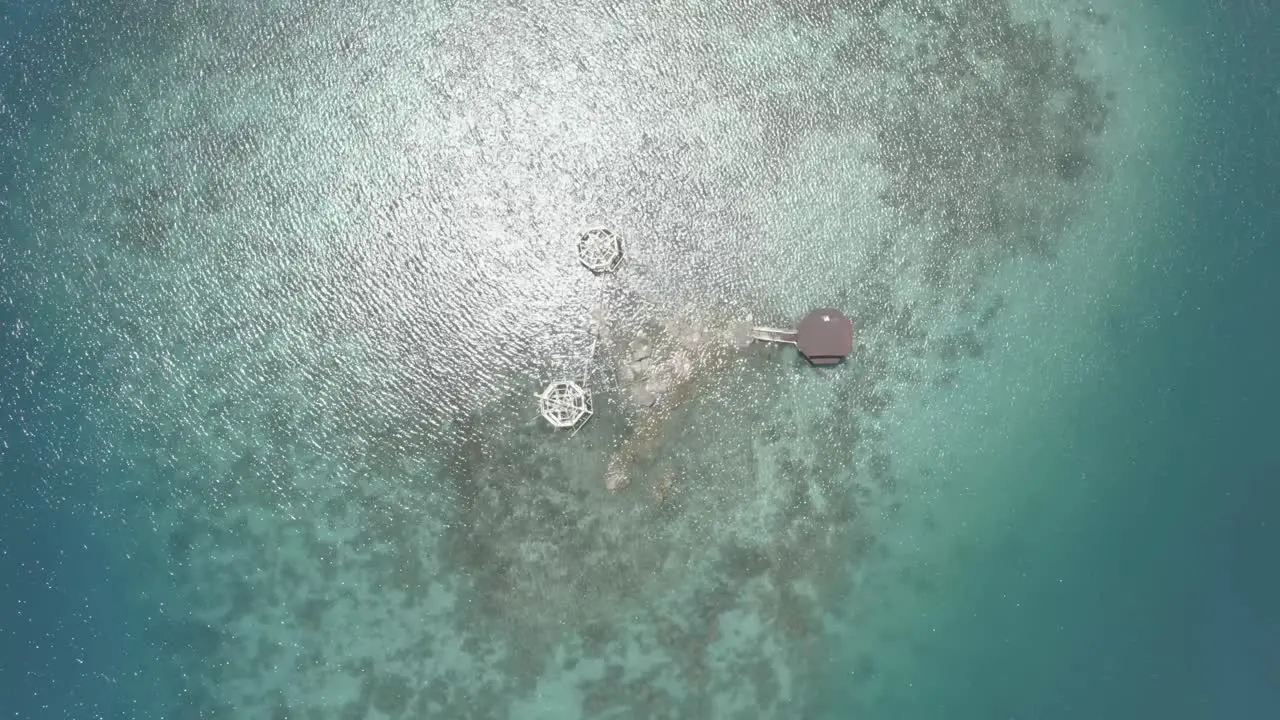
[565, 404]
[600, 250]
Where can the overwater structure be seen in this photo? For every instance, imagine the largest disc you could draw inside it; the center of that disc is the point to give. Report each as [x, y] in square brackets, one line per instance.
[823, 337]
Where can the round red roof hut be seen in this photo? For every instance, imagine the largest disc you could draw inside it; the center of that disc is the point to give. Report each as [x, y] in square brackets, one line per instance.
[825, 336]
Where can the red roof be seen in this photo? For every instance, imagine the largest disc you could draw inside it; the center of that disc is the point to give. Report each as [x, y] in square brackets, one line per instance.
[825, 336]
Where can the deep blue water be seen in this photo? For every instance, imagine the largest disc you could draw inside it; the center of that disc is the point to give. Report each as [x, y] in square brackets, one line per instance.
[79, 638]
[76, 638]
[1162, 601]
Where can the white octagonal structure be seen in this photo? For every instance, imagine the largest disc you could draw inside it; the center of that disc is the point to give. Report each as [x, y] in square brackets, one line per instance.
[600, 250]
[565, 404]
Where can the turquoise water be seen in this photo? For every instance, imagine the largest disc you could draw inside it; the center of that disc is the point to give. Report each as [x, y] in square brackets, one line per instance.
[281, 282]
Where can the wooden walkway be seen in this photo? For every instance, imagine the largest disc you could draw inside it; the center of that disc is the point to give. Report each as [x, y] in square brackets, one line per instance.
[778, 335]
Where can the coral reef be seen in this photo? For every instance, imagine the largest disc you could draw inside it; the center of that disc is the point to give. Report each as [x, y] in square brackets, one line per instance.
[328, 364]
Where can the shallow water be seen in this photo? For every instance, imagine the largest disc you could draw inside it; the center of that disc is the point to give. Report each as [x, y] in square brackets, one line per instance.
[288, 277]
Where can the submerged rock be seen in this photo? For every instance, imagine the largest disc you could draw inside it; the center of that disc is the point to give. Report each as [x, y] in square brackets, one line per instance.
[616, 478]
[644, 395]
